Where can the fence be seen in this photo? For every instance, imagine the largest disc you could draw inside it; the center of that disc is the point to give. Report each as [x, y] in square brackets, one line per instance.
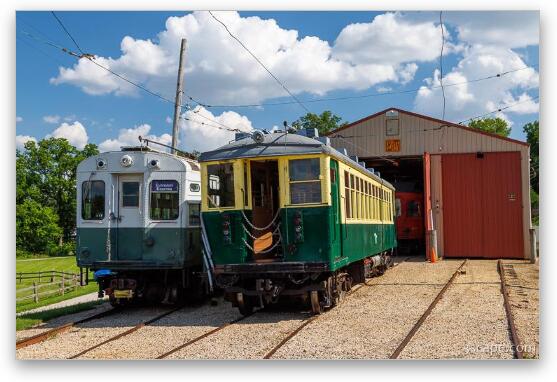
[66, 282]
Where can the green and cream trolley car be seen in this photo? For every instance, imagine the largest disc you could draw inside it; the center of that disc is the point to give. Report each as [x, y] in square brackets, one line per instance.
[288, 215]
[138, 224]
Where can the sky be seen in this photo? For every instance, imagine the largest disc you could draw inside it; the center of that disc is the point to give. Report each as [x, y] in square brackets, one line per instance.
[315, 55]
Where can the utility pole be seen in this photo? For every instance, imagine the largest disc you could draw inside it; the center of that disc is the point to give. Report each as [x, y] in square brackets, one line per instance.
[178, 105]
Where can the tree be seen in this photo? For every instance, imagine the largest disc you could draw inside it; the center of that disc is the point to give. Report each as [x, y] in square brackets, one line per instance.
[36, 227]
[325, 122]
[532, 131]
[492, 125]
[46, 174]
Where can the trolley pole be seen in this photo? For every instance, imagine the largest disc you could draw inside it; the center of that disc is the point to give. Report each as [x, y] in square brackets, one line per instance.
[178, 101]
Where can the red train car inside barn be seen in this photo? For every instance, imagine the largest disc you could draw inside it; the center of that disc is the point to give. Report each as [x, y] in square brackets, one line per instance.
[470, 188]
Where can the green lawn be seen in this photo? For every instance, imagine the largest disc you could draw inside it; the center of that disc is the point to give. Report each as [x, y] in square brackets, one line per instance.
[63, 264]
[28, 320]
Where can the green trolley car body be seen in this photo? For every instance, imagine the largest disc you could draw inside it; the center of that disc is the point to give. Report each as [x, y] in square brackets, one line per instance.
[286, 214]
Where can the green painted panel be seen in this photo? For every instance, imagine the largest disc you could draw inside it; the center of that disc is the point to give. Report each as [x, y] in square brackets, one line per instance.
[171, 247]
[319, 234]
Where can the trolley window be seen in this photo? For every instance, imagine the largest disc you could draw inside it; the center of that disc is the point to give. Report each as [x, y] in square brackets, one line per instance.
[165, 200]
[130, 194]
[92, 200]
[194, 216]
[220, 185]
[305, 185]
[413, 209]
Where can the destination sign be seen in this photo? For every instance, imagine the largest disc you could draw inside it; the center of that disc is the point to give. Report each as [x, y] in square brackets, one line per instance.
[164, 186]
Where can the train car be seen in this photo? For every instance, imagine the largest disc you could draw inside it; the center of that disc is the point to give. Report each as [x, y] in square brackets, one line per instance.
[410, 221]
[138, 224]
[288, 215]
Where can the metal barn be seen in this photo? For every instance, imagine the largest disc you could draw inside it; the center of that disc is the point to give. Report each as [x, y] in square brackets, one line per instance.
[476, 185]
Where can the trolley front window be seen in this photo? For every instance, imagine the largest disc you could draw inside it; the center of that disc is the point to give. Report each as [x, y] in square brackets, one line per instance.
[92, 200]
[194, 219]
[413, 209]
[165, 200]
[220, 185]
[305, 185]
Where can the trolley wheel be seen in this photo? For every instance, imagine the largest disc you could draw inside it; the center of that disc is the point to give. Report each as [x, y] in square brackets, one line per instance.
[245, 305]
[315, 304]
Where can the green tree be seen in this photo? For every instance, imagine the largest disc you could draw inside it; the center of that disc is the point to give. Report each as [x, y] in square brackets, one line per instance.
[325, 122]
[492, 125]
[532, 131]
[46, 174]
[36, 227]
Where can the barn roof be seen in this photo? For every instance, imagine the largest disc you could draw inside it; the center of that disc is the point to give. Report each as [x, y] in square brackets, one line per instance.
[440, 121]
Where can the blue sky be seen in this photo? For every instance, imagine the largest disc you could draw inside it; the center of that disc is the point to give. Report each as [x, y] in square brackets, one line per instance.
[316, 54]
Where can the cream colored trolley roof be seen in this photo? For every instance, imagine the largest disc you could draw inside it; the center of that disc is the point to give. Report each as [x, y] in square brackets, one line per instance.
[281, 144]
[140, 157]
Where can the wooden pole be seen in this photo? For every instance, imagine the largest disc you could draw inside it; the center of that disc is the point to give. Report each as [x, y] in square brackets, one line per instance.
[35, 292]
[179, 92]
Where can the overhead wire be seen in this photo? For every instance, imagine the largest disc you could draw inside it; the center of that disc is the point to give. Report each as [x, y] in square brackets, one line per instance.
[499, 110]
[378, 94]
[260, 63]
[67, 32]
[441, 60]
[92, 59]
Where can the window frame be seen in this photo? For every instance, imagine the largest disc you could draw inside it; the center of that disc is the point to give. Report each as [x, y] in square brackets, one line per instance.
[104, 200]
[206, 185]
[138, 194]
[319, 180]
[149, 207]
[198, 204]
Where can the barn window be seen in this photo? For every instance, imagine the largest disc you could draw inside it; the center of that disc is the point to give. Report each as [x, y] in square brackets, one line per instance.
[305, 182]
[164, 200]
[92, 200]
[220, 185]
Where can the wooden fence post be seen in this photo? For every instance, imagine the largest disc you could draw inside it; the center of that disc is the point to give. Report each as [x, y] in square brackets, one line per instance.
[35, 292]
[62, 284]
[51, 276]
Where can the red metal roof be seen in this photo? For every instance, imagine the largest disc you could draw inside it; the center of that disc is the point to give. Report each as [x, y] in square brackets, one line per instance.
[430, 119]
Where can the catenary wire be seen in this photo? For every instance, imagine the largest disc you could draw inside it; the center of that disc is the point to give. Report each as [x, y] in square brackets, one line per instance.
[67, 32]
[261, 63]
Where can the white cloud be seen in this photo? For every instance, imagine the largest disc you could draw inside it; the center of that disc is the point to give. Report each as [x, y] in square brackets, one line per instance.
[18, 119]
[168, 119]
[218, 70]
[70, 118]
[51, 119]
[129, 137]
[20, 141]
[391, 39]
[75, 134]
[471, 99]
[200, 133]
[510, 29]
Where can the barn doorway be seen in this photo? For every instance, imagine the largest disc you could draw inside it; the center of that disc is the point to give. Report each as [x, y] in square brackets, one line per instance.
[406, 174]
[265, 205]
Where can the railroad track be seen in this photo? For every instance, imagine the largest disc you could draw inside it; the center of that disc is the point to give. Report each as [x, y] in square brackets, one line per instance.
[427, 312]
[313, 318]
[517, 348]
[127, 332]
[41, 337]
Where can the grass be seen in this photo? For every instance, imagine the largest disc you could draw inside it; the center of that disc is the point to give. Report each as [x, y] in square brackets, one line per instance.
[29, 320]
[63, 264]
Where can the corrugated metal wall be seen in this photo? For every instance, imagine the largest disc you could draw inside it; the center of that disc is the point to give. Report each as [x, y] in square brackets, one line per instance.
[482, 205]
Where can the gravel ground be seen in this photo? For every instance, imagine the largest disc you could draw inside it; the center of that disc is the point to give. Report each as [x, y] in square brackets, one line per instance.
[522, 280]
[469, 322]
[372, 321]
[87, 334]
[58, 321]
[164, 335]
[251, 338]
